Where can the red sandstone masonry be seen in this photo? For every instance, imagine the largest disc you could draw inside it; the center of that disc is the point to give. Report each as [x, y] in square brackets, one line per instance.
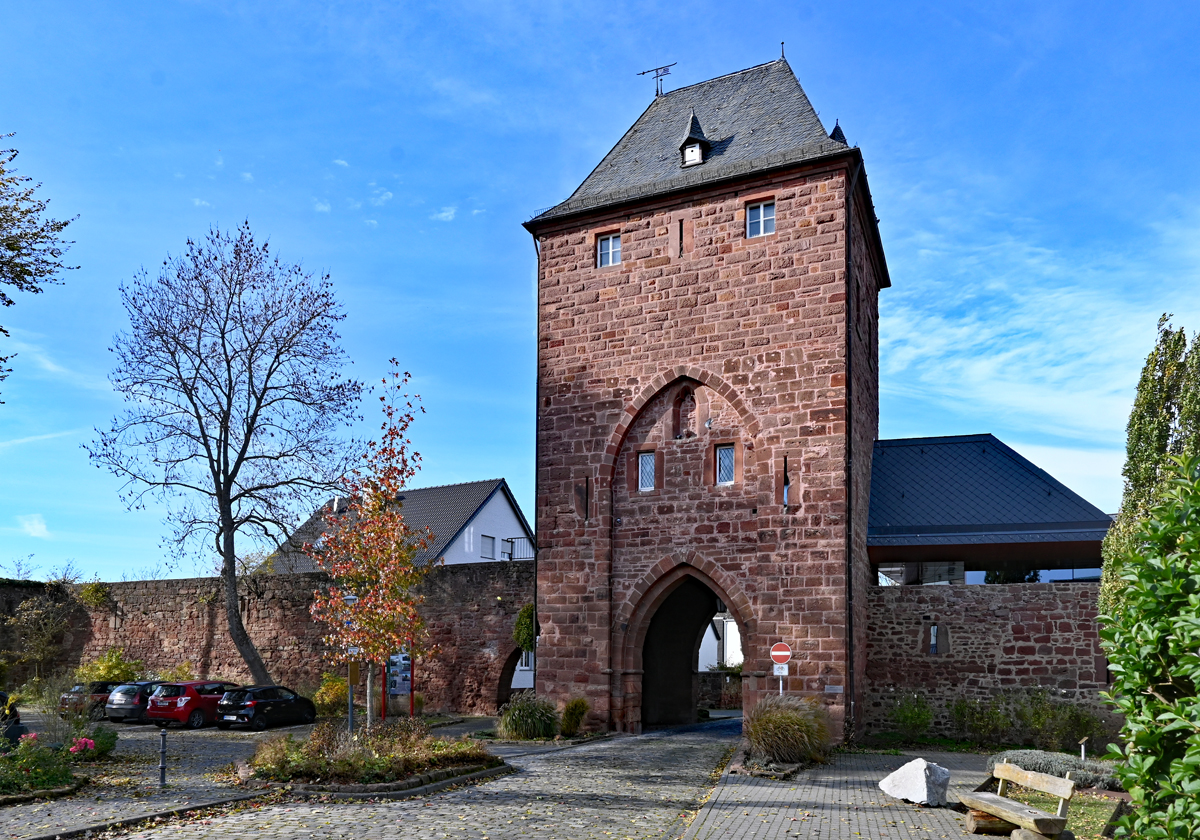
[1026, 635]
[756, 330]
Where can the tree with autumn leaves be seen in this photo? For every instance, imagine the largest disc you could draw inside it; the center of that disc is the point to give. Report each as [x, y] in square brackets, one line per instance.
[368, 549]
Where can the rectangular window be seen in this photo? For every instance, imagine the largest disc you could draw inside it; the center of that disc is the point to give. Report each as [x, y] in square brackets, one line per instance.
[608, 250]
[933, 639]
[506, 549]
[645, 471]
[487, 547]
[760, 219]
[526, 663]
[725, 465]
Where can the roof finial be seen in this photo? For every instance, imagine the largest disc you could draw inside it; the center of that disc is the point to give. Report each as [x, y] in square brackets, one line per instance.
[781, 49]
[659, 72]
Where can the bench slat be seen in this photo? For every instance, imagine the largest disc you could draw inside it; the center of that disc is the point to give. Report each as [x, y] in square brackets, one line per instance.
[1015, 812]
[1053, 785]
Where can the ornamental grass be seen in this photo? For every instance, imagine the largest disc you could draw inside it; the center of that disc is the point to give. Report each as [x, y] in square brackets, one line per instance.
[527, 717]
[387, 752]
[789, 730]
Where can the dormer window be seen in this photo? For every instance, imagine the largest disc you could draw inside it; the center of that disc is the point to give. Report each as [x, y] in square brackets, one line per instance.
[692, 154]
[694, 144]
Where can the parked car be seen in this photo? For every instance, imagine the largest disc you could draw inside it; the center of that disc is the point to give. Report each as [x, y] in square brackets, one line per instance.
[263, 705]
[128, 701]
[193, 703]
[10, 719]
[87, 699]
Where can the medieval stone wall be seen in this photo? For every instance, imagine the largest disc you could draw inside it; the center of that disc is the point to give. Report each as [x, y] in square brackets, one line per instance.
[757, 327]
[470, 609]
[990, 638]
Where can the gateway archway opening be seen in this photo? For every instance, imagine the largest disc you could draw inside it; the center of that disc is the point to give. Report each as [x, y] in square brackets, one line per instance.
[670, 655]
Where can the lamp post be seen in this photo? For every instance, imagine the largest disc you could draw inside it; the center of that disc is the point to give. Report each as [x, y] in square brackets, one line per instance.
[350, 600]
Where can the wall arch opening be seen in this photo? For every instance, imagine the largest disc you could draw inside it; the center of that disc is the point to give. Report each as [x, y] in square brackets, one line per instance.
[504, 688]
[670, 665]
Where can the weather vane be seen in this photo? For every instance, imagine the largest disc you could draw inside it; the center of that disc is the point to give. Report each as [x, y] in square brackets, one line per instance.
[659, 72]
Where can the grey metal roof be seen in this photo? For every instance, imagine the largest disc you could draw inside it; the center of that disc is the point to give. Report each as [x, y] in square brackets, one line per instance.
[971, 489]
[446, 510]
[754, 119]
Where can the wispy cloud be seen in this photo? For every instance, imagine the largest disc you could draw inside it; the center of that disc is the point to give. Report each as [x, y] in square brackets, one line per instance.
[446, 214]
[320, 206]
[353, 204]
[47, 364]
[246, 176]
[33, 525]
[219, 162]
[380, 197]
[8, 444]
[371, 223]
[200, 202]
[341, 162]
[477, 212]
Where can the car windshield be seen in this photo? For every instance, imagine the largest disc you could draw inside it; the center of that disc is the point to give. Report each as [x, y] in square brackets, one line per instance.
[237, 696]
[126, 689]
[76, 689]
[170, 691]
[98, 687]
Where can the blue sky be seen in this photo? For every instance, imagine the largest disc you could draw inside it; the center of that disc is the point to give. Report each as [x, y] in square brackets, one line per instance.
[1033, 167]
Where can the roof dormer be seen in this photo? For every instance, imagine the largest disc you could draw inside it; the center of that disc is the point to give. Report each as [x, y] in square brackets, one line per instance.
[695, 146]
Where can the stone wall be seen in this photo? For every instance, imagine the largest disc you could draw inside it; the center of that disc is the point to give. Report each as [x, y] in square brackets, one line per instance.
[990, 638]
[470, 609]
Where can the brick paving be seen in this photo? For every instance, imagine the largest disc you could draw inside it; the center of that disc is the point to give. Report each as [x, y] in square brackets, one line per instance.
[627, 787]
[837, 801]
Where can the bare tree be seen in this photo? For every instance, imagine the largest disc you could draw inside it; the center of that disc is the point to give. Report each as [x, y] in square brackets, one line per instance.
[232, 373]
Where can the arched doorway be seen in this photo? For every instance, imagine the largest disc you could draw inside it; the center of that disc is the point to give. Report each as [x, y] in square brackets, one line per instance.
[504, 686]
[670, 681]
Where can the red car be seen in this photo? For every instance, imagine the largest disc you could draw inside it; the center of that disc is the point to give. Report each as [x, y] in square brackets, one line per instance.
[193, 703]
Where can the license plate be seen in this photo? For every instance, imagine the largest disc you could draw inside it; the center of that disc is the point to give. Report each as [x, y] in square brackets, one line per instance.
[230, 717]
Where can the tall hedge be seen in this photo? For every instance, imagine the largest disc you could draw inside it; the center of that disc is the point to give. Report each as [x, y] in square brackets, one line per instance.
[1153, 646]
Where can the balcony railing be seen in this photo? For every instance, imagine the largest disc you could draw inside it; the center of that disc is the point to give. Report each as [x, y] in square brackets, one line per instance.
[518, 548]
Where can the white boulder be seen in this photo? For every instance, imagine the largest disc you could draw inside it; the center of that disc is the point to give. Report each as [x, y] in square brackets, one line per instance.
[920, 782]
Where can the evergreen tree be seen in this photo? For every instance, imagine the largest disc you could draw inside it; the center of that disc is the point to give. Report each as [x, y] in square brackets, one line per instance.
[1164, 421]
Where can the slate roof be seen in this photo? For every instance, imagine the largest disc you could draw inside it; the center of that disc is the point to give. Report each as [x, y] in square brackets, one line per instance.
[755, 119]
[446, 510]
[971, 489]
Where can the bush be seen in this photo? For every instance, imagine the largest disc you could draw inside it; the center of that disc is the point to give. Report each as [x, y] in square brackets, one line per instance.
[573, 714]
[94, 594]
[912, 716]
[983, 722]
[1052, 723]
[789, 729]
[527, 717]
[1153, 647]
[387, 752]
[34, 766]
[111, 665]
[524, 630]
[182, 672]
[332, 698]
[1087, 773]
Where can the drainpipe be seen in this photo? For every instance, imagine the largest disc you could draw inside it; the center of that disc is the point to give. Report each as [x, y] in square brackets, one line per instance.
[537, 452]
[850, 447]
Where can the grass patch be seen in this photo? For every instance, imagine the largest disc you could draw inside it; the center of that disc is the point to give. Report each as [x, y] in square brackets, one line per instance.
[1087, 815]
[387, 753]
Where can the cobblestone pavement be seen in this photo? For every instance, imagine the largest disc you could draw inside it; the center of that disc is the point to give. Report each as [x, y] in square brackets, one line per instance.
[840, 800]
[627, 787]
[130, 788]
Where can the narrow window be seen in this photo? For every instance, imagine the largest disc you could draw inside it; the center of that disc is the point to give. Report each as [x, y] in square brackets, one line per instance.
[933, 639]
[681, 237]
[760, 219]
[526, 663]
[487, 547]
[787, 485]
[725, 464]
[608, 250]
[645, 471]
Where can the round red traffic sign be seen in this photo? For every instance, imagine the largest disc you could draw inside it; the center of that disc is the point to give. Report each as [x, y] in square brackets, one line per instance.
[780, 652]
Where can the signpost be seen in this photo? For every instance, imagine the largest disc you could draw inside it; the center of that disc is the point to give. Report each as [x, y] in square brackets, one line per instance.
[781, 654]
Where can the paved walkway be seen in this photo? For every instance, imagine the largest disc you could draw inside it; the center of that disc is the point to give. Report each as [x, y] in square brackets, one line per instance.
[627, 787]
[839, 800]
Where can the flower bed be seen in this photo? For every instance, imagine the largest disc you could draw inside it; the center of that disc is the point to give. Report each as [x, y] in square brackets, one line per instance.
[387, 753]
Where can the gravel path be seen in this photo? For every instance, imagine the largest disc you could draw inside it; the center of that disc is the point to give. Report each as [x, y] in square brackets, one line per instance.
[130, 788]
[626, 787]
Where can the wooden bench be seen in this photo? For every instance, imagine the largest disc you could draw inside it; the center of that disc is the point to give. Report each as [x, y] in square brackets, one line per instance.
[999, 815]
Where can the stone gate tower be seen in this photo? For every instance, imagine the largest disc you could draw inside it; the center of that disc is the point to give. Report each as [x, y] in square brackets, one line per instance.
[707, 403]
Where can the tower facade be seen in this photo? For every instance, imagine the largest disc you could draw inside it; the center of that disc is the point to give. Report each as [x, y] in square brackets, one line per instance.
[707, 404]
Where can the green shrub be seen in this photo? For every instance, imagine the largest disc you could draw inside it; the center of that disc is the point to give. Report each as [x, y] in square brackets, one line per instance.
[34, 766]
[789, 729]
[111, 665]
[524, 630]
[1052, 723]
[912, 716]
[1153, 647]
[1088, 773]
[333, 697]
[573, 714]
[527, 717]
[182, 672]
[983, 722]
[94, 594]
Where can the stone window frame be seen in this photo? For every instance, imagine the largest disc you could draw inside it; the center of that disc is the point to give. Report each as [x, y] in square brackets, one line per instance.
[601, 237]
[761, 202]
[717, 452]
[633, 472]
[710, 463]
[943, 638]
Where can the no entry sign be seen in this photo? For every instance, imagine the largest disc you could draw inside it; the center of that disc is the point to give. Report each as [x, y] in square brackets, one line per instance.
[780, 653]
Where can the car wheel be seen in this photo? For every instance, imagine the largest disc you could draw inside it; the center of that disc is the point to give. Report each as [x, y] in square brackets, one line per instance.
[96, 713]
[258, 722]
[222, 725]
[196, 719]
[144, 717]
[309, 715]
